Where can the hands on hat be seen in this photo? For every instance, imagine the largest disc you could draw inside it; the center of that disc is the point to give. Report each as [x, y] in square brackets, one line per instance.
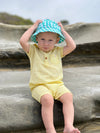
[37, 23]
[40, 21]
[62, 28]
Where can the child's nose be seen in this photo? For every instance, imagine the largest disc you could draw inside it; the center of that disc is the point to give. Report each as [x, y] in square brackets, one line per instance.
[46, 43]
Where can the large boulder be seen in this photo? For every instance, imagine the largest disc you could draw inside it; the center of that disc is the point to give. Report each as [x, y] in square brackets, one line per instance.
[81, 32]
[84, 32]
[86, 36]
[19, 111]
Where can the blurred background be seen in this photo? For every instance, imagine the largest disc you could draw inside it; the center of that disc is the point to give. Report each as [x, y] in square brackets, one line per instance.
[67, 11]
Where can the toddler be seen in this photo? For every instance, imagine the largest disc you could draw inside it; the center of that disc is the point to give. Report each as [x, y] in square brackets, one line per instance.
[46, 70]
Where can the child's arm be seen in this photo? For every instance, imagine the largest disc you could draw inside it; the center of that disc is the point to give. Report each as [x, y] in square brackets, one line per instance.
[26, 36]
[69, 41]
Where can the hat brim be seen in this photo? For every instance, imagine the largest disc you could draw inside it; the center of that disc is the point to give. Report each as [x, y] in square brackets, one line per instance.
[33, 37]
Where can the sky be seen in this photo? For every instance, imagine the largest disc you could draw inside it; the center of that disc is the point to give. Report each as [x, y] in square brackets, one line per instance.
[74, 11]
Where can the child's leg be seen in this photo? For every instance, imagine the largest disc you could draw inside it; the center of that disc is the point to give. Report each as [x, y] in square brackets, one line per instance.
[47, 103]
[68, 111]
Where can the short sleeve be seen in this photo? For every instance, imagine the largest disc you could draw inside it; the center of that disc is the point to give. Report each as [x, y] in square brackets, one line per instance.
[31, 50]
[60, 49]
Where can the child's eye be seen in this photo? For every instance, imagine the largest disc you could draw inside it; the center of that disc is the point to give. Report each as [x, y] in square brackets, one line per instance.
[42, 39]
[50, 40]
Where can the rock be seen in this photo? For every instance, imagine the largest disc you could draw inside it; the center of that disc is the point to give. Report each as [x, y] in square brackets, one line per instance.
[84, 32]
[90, 127]
[12, 58]
[85, 35]
[19, 111]
[11, 33]
[88, 54]
[81, 32]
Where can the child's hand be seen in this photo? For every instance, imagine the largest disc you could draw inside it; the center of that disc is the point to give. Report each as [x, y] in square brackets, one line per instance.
[62, 28]
[37, 23]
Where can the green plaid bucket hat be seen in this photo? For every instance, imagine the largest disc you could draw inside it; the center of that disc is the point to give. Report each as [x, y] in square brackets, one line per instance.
[48, 26]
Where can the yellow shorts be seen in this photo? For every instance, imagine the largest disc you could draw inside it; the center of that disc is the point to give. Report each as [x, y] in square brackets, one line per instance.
[56, 90]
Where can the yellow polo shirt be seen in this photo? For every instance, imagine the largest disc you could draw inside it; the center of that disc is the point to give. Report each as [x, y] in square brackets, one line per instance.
[45, 67]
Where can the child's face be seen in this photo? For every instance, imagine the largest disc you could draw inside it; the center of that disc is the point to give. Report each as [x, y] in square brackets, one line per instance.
[47, 41]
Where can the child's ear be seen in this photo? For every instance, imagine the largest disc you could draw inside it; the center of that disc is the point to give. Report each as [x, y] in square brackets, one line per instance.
[37, 38]
[58, 38]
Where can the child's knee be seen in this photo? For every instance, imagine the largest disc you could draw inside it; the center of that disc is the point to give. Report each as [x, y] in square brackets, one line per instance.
[47, 100]
[67, 97]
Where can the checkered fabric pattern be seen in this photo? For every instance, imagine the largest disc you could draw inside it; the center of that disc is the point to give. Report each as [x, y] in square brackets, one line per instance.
[48, 26]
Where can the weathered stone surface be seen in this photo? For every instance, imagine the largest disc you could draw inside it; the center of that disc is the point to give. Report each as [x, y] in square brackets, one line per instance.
[81, 33]
[11, 33]
[84, 54]
[88, 127]
[19, 111]
[84, 32]
[85, 35]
